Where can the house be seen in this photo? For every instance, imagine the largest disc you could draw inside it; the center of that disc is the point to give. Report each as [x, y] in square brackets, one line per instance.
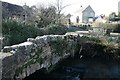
[118, 6]
[88, 15]
[66, 19]
[100, 19]
[85, 14]
[11, 10]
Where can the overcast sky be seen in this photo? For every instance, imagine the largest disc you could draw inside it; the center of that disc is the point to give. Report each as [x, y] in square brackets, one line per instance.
[99, 6]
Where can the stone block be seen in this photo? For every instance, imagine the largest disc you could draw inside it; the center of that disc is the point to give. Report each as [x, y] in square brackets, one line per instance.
[32, 68]
[28, 71]
[31, 40]
[7, 49]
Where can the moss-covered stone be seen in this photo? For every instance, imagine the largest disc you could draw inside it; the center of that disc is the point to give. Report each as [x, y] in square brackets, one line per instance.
[58, 46]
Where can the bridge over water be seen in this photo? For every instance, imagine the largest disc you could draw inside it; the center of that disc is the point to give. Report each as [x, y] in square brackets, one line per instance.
[21, 60]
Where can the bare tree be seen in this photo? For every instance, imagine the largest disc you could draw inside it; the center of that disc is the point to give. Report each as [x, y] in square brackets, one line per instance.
[59, 6]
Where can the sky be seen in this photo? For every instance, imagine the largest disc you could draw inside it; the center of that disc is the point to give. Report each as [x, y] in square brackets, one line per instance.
[99, 6]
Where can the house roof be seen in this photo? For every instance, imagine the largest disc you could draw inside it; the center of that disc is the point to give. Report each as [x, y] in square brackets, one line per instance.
[99, 17]
[88, 8]
[68, 16]
[81, 9]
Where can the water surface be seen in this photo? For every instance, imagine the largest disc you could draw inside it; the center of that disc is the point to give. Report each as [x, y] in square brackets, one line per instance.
[81, 69]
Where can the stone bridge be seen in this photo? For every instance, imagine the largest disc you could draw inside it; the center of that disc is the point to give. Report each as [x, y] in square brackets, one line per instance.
[21, 60]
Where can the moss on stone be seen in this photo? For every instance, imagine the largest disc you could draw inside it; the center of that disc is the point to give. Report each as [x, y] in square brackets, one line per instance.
[58, 46]
[32, 50]
[38, 51]
[18, 71]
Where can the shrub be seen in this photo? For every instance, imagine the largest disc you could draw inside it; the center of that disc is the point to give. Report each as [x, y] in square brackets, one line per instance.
[18, 32]
[117, 28]
[110, 26]
[56, 29]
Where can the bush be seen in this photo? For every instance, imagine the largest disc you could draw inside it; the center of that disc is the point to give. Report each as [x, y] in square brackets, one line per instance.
[110, 26]
[117, 28]
[56, 29]
[16, 32]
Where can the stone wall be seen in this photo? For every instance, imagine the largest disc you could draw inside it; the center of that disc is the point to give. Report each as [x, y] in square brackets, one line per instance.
[1, 40]
[21, 60]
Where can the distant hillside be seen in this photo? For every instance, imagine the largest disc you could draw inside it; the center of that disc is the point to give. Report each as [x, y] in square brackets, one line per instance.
[11, 9]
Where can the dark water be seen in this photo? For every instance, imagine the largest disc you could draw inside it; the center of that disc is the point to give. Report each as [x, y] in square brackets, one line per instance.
[81, 69]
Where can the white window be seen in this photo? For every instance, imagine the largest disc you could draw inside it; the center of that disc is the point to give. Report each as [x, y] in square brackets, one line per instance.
[90, 20]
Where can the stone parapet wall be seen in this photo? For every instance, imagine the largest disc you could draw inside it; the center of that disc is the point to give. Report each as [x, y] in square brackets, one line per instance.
[1, 40]
[23, 59]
